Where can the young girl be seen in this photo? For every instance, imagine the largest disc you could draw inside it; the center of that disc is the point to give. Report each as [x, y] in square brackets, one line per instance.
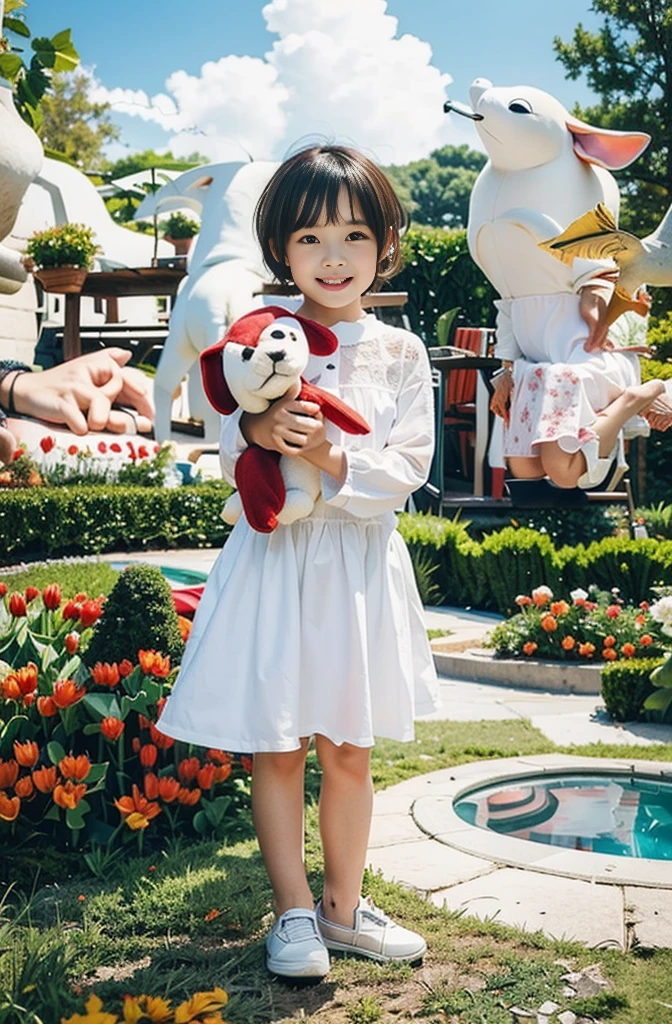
[317, 629]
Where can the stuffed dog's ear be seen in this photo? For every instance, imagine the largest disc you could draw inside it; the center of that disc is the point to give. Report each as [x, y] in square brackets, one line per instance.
[246, 330]
[214, 382]
[321, 341]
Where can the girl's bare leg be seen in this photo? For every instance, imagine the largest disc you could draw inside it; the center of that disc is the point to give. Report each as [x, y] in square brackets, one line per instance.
[277, 810]
[565, 469]
[346, 805]
[524, 467]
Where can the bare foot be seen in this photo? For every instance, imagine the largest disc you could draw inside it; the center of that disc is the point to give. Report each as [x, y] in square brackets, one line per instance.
[8, 445]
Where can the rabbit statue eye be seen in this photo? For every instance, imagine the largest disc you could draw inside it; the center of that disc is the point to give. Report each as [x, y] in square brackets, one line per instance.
[520, 107]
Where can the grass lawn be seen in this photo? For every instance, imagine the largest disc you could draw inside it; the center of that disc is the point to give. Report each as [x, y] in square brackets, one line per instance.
[192, 917]
[93, 578]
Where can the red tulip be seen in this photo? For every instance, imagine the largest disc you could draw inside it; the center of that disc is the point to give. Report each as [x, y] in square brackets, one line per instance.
[148, 755]
[47, 443]
[71, 642]
[67, 693]
[46, 707]
[90, 613]
[26, 753]
[112, 728]
[3, 589]
[32, 593]
[51, 597]
[17, 605]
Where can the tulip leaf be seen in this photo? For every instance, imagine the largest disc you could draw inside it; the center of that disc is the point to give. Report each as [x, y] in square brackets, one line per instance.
[137, 703]
[103, 705]
[74, 819]
[200, 823]
[662, 676]
[53, 814]
[97, 772]
[49, 654]
[15, 725]
[215, 810]
[55, 751]
[68, 670]
[153, 690]
[659, 701]
[91, 728]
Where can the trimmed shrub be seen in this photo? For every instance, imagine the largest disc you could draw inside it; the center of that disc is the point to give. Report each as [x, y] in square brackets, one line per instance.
[633, 566]
[96, 518]
[514, 561]
[445, 545]
[626, 685]
[139, 615]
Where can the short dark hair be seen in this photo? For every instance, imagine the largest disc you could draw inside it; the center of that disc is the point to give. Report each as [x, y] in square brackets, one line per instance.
[311, 181]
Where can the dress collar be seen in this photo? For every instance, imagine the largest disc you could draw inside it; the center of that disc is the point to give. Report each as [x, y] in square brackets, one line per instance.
[351, 332]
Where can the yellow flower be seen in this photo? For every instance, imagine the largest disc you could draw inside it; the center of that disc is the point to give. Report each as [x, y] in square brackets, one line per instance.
[133, 1011]
[200, 1003]
[93, 1014]
[136, 821]
[158, 1010]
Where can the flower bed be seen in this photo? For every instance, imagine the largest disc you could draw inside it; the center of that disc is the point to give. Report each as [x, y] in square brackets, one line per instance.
[82, 761]
[52, 464]
[600, 627]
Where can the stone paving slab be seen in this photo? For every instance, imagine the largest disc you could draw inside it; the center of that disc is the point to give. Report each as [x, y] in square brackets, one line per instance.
[425, 865]
[649, 913]
[392, 829]
[560, 907]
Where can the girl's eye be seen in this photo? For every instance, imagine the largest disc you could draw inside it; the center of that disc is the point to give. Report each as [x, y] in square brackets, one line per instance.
[309, 239]
[355, 236]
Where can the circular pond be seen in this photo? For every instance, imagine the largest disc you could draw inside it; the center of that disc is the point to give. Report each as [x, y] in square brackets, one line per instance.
[614, 814]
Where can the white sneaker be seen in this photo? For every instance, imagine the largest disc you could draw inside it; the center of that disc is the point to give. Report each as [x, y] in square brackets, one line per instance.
[294, 946]
[374, 935]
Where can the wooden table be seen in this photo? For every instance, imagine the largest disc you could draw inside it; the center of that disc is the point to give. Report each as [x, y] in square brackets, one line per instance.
[113, 285]
[373, 300]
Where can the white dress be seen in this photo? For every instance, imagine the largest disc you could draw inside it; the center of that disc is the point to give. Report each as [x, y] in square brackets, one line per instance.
[318, 627]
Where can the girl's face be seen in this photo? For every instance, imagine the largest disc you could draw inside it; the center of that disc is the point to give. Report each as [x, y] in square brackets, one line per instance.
[333, 264]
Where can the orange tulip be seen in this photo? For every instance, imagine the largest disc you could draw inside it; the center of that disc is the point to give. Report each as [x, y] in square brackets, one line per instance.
[17, 607]
[67, 795]
[125, 668]
[26, 677]
[153, 664]
[71, 642]
[9, 807]
[148, 755]
[609, 641]
[559, 608]
[26, 753]
[46, 706]
[627, 650]
[151, 785]
[609, 654]
[188, 797]
[586, 650]
[112, 728]
[222, 772]
[646, 640]
[105, 674]
[206, 776]
[75, 768]
[218, 756]
[67, 693]
[137, 810]
[10, 688]
[159, 738]
[188, 769]
[136, 744]
[248, 763]
[24, 787]
[143, 721]
[185, 625]
[169, 787]
[549, 623]
[45, 778]
[568, 643]
[51, 596]
[90, 613]
[528, 648]
[9, 773]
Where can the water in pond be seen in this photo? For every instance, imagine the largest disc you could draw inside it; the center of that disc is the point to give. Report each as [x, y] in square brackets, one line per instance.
[627, 816]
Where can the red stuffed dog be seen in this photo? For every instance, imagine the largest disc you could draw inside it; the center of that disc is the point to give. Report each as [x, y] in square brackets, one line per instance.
[261, 356]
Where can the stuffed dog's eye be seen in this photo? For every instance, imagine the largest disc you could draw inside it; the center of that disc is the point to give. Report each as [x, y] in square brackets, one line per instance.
[247, 353]
[277, 334]
[520, 107]
[292, 335]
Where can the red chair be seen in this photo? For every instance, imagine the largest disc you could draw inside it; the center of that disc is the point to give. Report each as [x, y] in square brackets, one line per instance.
[460, 405]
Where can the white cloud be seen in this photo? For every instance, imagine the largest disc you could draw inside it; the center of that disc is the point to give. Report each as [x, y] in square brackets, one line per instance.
[337, 70]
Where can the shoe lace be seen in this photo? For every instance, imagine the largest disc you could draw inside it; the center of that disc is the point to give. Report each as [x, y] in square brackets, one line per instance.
[299, 928]
[375, 913]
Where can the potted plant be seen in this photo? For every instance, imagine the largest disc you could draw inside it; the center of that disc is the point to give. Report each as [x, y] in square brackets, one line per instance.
[180, 229]
[61, 257]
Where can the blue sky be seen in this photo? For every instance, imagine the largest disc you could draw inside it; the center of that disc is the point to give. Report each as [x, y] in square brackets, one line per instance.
[137, 46]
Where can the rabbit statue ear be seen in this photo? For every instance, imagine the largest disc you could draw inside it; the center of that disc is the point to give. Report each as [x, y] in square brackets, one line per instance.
[321, 341]
[214, 383]
[611, 149]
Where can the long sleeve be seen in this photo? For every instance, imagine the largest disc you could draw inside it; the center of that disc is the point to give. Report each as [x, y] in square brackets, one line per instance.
[231, 444]
[380, 481]
[507, 347]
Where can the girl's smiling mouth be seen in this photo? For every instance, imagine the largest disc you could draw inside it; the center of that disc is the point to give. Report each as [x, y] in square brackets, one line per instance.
[334, 284]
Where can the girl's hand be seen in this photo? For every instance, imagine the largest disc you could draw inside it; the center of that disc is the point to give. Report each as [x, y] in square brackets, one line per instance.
[500, 403]
[288, 426]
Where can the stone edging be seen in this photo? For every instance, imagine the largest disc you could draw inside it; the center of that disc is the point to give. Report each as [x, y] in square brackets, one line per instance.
[478, 665]
[435, 816]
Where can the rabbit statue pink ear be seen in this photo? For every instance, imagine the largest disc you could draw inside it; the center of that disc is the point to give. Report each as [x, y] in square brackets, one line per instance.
[604, 147]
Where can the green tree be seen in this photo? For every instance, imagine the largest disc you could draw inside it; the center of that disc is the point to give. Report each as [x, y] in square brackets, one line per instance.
[436, 190]
[628, 63]
[123, 205]
[73, 125]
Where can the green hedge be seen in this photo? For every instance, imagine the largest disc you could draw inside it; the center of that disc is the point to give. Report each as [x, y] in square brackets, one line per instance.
[626, 685]
[96, 518]
[438, 273]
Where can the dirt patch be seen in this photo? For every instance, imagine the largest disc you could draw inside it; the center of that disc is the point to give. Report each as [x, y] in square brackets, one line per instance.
[459, 646]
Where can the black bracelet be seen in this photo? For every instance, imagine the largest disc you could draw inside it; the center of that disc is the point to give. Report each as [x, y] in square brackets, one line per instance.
[8, 366]
[11, 408]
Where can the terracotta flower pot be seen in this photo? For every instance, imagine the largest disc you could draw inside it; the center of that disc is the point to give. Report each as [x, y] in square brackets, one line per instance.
[182, 245]
[65, 280]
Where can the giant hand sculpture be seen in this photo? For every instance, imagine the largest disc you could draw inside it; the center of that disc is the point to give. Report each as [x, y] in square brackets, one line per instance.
[225, 271]
[21, 157]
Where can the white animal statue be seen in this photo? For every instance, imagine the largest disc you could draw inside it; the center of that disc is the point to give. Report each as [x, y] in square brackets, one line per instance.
[21, 157]
[225, 273]
[545, 168]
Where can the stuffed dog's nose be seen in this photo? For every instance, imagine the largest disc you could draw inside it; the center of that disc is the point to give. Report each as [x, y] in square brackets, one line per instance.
[277, 357]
